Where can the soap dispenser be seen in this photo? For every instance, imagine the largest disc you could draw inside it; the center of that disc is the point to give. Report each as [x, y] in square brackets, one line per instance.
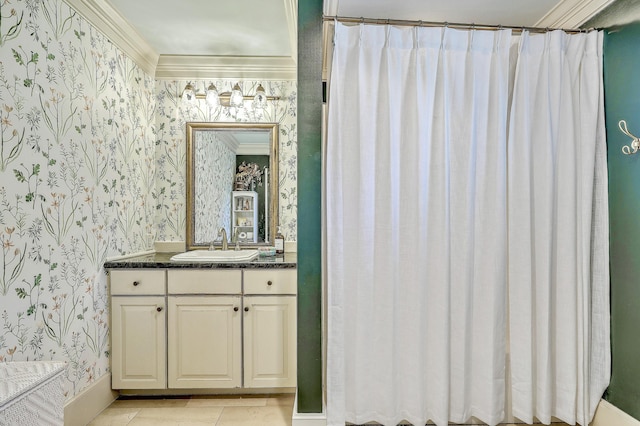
[278, 242]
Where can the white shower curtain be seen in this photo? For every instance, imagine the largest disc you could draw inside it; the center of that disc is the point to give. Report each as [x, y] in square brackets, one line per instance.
[558, 229]
[419, 204]
[416, 211]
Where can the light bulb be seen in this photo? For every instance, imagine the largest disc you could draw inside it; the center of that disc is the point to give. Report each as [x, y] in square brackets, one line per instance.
[236, 96]
[212, 98]
[260, 99]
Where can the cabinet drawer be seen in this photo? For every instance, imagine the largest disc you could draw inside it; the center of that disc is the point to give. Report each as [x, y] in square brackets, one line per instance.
[204, 281]
[271, 281]
[137, 281]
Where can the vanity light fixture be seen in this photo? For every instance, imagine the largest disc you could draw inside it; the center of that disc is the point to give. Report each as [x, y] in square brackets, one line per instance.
[235, 98]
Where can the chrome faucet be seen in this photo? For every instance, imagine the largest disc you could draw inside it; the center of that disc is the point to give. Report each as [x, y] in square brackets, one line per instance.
[222, 233]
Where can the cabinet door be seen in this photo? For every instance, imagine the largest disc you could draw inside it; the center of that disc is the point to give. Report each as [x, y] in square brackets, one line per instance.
[204, 342]
[269, 341]
[138, 353]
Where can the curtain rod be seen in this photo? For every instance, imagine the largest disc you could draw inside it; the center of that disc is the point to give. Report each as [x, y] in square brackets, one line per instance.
[409, 23]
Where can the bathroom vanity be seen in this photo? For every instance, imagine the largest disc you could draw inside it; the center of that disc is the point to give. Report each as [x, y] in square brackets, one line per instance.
[203, 325]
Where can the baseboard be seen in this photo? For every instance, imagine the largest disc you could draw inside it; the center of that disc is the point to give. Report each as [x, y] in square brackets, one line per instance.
[308, 419]
[85, 406]
[608, 414]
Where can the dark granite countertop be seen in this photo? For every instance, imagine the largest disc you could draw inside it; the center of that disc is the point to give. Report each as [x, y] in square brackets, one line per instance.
[162, 260]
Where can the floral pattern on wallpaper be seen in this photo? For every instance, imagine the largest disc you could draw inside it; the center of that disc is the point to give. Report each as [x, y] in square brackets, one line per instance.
[214, 175]
[171, 143]
[77, 171]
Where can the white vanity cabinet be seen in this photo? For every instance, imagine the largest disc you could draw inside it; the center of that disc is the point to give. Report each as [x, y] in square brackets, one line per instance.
[270, 328]
[221, 328]
[138, 343]
[204, 328]
[269, 341]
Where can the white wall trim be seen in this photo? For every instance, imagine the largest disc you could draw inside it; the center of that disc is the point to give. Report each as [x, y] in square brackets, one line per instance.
[308, 419]
[185, 67]
[291, 11]
[85, 406]
[572, 13]
[608, 414]
[116, 28]
[330, 7]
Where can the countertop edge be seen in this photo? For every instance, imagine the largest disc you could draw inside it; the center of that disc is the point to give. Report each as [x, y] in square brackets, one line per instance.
[161, 261]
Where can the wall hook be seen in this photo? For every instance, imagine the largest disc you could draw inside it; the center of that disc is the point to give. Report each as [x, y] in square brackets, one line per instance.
[635, 143]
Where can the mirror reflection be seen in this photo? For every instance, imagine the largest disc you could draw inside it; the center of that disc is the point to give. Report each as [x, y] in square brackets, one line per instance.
[232, 171]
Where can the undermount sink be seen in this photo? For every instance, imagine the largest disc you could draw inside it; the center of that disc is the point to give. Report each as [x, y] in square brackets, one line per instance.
[216, 256]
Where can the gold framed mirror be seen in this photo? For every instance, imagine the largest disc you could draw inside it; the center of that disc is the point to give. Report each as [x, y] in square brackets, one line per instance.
[232, 184]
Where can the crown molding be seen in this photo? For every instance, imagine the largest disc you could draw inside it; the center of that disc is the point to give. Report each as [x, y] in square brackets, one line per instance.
[571, 14]
[185, 67]
[230, 141]
[117, 29]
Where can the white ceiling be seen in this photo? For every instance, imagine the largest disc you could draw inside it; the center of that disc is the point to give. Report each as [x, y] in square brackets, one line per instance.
[205, 27]
[258, 38]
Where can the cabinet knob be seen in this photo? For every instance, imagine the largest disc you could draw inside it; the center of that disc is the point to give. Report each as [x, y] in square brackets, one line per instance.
[159, 309]
[135, 283]
[269, 282]
[235, 308]
[246, 309]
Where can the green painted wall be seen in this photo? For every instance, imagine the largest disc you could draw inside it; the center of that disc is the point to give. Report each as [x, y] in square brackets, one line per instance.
[309, 206]
[622, 102]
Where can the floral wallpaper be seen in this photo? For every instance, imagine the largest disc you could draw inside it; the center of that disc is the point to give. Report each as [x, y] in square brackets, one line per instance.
[171, 143]
[92, 165]
[214, 177]
[77, 179]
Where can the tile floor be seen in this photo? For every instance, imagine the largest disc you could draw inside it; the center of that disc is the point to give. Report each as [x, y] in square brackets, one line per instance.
[254, 410]
[228, 410]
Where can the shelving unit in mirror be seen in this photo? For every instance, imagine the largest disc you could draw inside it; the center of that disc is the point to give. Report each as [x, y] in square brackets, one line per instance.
[244, 216]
